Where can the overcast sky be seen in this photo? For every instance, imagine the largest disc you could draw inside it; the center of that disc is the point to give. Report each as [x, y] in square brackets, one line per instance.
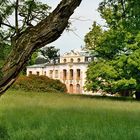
[87, 13]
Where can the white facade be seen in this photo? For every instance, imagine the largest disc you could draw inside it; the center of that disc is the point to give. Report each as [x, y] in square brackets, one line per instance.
[71, 70]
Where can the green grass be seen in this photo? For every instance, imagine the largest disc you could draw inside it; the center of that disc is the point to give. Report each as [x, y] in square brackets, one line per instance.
[41, 116]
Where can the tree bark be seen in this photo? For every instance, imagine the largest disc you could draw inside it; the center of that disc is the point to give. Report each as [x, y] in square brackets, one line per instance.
[33, 38]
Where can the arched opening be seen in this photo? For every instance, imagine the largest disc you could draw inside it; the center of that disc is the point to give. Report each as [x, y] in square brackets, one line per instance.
[78, 90]
[71, 88]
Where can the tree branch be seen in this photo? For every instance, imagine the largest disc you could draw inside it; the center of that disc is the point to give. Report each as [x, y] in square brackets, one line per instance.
[16, 16]
[8, 25]
[36, 37]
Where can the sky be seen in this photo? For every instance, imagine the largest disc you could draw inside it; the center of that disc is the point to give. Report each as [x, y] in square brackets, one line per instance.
[81, 20]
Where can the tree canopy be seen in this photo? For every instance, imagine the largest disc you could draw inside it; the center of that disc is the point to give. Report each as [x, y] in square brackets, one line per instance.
[50, 53]
[117, 65]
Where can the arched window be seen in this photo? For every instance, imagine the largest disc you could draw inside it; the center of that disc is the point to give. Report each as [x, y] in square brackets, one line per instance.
[71, 88]
[78, 88]
[78, 60]
[71, 74]
[45, 73]
[56, 73]
[64, 74]
[64, 60]
[30, 72]
[37, 73]
[71, 60]
[51, 73]
[78, 74]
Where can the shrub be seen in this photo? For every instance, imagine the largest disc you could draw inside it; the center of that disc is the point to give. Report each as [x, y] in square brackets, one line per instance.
[39, 84]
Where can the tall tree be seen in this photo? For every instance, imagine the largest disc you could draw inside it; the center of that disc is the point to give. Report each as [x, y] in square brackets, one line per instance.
[26, 36]
[92, 38]
[117, 66]
[50, 53]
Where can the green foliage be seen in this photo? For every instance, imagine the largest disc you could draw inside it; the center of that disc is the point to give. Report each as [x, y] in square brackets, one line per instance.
[33, 58]
[3, 133]
[39, 84]
[50, 53]
[4, 51]
[117, 66]
[93, 37]
[25, 14]
[118, 13]
[33, 11]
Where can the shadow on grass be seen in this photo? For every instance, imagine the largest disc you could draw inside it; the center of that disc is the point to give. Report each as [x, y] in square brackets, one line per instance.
[107, 97]
[4, 133]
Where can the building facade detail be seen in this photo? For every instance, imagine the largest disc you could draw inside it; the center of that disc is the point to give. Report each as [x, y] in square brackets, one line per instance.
[71, 70]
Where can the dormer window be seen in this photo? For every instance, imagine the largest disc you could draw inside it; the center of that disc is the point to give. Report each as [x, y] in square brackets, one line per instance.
[71, 60]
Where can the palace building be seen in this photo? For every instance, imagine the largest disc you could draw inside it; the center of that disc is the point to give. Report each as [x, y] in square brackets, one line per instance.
[70, 69]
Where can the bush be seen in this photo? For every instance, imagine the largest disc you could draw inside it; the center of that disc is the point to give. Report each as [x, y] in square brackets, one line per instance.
[39, 84]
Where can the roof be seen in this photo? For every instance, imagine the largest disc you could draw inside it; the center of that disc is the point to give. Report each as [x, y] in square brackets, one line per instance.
[58, 64]
[77, 53]
[37, 66]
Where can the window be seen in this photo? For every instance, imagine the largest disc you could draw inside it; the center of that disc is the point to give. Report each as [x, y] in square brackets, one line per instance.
[56, 73]
[86, 59]
[71, 88]
[71, 74]
[30, 72]
[64, 60]
[71, 60]
[64, 74]
[78, 74]
[51, 73]
[78, 60]
[37, 73]
[78, 88]
[45, 73]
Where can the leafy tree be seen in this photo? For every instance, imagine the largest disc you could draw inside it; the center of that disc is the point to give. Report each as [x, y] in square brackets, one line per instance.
[51, 54]
[117, 65]
[33, 28]
[92, 38]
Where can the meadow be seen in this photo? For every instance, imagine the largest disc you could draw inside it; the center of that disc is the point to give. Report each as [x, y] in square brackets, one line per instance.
[50, 116]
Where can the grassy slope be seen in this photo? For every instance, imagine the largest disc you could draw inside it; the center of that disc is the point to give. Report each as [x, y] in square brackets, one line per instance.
[34, 116]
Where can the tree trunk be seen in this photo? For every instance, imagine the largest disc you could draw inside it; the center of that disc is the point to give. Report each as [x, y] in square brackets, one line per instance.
[33, 38]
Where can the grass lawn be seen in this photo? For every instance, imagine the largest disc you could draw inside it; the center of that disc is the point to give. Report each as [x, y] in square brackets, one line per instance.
[42, 116]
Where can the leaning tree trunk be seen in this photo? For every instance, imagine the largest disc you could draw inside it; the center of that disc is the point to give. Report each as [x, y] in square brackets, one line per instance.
[33, 38]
